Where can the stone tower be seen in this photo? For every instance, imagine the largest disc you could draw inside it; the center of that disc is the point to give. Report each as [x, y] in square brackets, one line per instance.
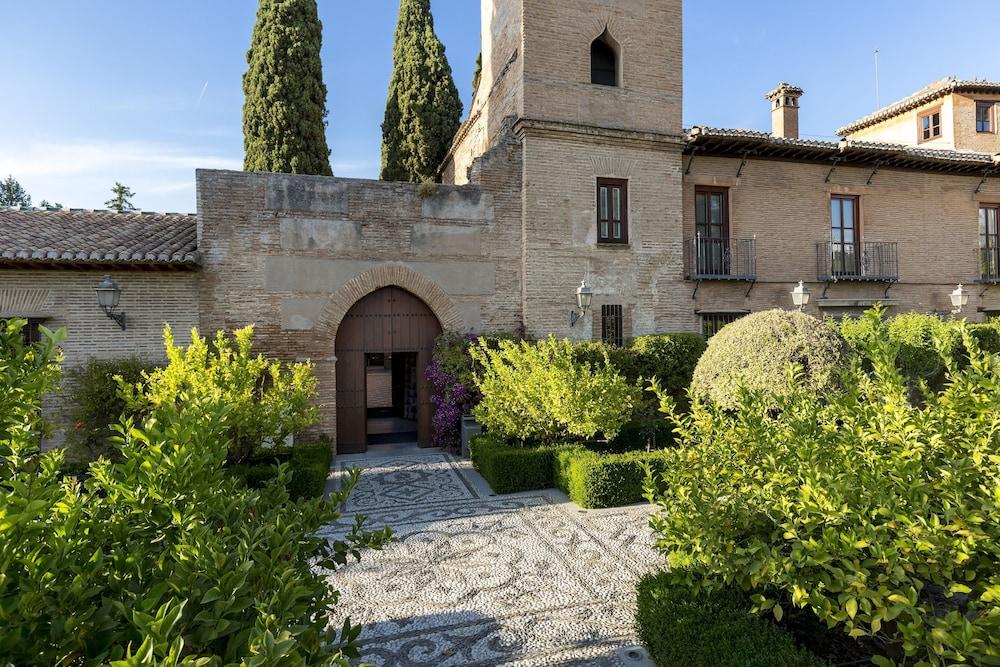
[591, 90]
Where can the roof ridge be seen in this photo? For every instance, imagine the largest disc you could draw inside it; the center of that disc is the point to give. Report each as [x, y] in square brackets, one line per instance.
[928, 93]
[108, 211]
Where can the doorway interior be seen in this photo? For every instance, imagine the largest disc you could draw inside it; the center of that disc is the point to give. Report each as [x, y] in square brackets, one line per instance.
[391, 392]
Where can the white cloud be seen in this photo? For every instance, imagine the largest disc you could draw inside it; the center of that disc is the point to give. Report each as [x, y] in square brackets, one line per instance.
[80, 174]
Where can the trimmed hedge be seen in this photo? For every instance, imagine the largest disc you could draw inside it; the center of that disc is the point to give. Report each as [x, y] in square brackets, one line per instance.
[310, 466]
[755, 351]
[596, 480]
[513, 469]
[681, 627]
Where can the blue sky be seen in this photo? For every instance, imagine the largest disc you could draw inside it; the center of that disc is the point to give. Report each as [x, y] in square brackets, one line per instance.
[145, 91]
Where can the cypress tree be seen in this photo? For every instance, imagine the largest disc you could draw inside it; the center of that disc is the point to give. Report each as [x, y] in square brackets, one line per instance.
[423, 110]
[284, 111]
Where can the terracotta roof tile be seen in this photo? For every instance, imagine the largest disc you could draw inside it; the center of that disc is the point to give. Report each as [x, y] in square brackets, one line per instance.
[921, 97]
[75, 236]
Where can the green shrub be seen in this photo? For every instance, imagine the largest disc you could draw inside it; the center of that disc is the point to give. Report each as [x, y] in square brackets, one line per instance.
[161, 557]
[95, 403]
[263, 400]
[641, 434]
[538, 392]
[756, 351]
[710, 629]
[669, 358]
[878, 514]
[596, 480]
[309, 467]
[512, 469]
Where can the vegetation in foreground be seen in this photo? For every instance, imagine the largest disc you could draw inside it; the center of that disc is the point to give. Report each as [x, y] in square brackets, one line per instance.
[876, 510]
[161, 557]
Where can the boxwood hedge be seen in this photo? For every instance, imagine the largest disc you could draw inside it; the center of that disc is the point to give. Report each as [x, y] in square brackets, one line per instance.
[596, 480]
[310, 468]
[681, 627]
[513, 469]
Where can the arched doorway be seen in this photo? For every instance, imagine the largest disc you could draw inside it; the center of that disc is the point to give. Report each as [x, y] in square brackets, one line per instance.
[383, 346]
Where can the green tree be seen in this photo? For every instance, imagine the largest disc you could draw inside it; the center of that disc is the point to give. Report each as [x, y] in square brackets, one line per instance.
[12, 194]
[46, 204]
[121, 199]
[423, 110]
[284, 110]
[478, 74]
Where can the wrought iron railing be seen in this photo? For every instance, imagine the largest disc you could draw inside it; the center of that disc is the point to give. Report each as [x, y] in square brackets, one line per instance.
[989, 265]
[871, 260]
[720, 259]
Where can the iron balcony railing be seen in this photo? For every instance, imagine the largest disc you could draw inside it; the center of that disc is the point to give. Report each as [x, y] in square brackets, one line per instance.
[872, 260]
[720, 259]
[989, 265]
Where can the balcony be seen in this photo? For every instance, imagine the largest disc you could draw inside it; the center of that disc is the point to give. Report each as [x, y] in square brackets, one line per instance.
[720, 259]
[989, 265]
[875, 261]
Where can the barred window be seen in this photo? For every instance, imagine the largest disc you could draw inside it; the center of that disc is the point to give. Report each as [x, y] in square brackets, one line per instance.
[612, 325]
[711, 323]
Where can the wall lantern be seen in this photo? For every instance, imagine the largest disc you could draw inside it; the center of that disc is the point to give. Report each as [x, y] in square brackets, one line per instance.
[959, 299]
[584, 297]
[108, 295]
[800, 295]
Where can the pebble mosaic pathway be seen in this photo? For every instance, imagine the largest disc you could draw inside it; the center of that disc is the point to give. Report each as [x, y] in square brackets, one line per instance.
[476, 580]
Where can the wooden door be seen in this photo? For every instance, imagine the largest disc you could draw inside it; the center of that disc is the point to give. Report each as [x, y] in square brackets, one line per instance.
[387, 321]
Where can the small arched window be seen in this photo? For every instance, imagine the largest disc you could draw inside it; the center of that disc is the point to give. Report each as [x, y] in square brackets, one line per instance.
[603, 63]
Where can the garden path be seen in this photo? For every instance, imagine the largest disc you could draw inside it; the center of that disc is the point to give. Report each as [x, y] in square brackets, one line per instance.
[476, 580]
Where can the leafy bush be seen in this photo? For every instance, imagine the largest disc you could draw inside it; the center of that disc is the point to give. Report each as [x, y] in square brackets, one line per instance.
[95, 403]
[264, 400]
[160, 558]
[512, 469]
[681, 626]
[309, 468]
[596, 480]
[642, 434]
[453, 388]
[879, 515]
[917, 337]
[755, 352]
[538, 392]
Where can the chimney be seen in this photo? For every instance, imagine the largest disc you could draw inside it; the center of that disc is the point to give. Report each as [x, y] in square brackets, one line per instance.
[785, 110]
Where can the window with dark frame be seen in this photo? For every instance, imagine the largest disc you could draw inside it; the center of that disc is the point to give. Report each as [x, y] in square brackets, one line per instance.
[613, 325]
[844, 235]
[612, 210]
[984, 117]
[929, 125]
[603, 63]
[711, 206]
[712, 323]
[30, 333]
[989, 241]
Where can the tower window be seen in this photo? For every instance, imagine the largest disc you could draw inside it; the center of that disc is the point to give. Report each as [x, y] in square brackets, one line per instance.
[603, 63]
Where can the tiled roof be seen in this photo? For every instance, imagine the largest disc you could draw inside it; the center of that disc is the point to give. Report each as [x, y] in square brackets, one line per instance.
[763, 144]
[97, 238]
[929, 94]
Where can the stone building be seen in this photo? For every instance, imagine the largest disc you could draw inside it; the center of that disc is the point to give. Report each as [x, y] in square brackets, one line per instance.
[572, 166]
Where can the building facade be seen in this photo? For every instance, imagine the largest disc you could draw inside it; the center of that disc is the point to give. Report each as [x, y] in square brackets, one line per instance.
[572, 166]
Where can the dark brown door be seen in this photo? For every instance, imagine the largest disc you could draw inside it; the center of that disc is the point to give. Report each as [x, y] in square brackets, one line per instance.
[387, 321]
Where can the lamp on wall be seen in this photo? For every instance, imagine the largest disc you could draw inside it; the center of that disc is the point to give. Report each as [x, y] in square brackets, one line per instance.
[108, 295]
[959, 299]
[800, 295]
[584, 297]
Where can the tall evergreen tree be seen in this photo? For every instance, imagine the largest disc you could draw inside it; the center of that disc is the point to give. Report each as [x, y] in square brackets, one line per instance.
[423, 111]
[12, 194]
[284, 111]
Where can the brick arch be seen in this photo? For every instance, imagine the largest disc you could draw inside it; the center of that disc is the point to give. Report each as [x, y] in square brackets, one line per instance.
[388, 275]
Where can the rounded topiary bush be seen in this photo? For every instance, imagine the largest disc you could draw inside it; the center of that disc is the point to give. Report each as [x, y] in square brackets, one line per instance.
[756, 350]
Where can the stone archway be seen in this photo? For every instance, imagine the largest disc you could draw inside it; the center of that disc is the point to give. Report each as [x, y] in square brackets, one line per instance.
[398, 329]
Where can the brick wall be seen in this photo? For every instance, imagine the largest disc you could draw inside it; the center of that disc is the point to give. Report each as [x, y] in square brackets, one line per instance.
[66, 298]
[786, 206]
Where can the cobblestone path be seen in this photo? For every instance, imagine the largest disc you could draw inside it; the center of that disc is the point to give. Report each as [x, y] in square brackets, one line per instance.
[475, 580]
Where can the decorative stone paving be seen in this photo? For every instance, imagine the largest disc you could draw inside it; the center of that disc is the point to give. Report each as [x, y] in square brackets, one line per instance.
[474, 580]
